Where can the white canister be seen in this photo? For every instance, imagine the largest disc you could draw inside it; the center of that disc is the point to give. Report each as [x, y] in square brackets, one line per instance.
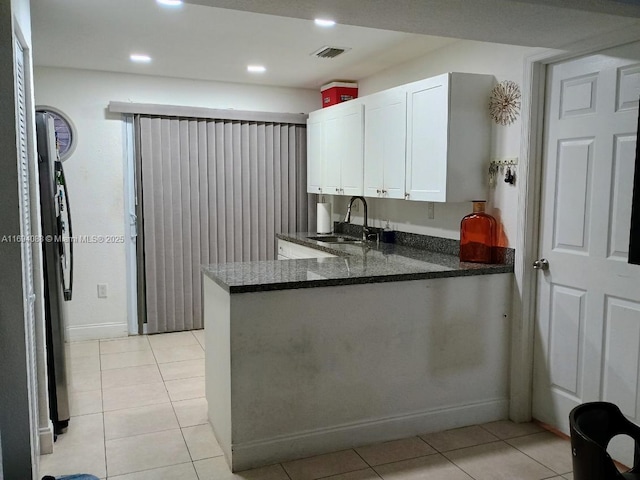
[324, 218]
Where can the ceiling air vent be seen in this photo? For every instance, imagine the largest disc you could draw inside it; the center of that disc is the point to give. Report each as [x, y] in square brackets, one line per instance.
[329, 52]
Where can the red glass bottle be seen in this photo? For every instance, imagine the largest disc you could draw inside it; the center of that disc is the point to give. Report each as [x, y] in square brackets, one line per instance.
[477, 235]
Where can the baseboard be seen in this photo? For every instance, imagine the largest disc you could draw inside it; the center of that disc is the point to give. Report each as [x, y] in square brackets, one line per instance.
[46, 439]
[97, 331]
[289, 447]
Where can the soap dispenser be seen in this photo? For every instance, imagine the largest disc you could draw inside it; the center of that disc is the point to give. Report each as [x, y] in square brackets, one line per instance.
[387, 235]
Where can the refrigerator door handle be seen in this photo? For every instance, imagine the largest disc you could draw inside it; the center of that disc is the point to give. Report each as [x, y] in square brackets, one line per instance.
[67, 289]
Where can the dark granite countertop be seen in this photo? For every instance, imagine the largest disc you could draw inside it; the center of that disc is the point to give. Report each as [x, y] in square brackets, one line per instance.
[353, 264]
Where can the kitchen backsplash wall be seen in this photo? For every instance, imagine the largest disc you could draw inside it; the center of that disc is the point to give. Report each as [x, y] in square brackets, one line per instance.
[406, 216]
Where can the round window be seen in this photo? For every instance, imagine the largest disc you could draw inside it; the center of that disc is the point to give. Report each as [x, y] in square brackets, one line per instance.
[65, 131]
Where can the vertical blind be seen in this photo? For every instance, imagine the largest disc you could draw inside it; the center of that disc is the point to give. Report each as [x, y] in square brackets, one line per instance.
[212, 191]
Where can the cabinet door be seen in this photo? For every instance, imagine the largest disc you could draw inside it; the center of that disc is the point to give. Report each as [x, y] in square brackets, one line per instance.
[384, 142]
[395, 139]
[343, 150]
[289, 250]
[352, 137]
[427, 139]
[332, 155]
[373, 149]
[314, 154]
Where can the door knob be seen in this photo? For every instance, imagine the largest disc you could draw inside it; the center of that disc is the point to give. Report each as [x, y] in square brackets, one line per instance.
[542, 264]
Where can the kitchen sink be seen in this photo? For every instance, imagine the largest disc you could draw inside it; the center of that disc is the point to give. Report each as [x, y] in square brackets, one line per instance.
[335, 239]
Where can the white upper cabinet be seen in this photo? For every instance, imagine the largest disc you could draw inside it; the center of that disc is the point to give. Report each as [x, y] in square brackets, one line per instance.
[448, 138]
[336, 136]
[384, 143]
[427, 140]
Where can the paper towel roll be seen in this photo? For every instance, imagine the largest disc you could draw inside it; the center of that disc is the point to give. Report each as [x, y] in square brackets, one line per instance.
[324, 218]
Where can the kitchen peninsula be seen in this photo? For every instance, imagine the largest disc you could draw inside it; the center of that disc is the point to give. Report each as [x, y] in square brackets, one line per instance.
[376, 343]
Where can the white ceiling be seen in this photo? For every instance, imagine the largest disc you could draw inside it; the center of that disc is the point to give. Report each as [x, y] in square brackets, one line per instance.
[207, 43]
[534, 23]
[217, 39]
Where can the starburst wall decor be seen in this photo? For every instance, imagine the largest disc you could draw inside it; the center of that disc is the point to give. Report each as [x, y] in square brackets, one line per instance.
[504, 102]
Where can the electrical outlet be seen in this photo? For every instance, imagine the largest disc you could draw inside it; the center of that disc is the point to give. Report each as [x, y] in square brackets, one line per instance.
[102, 290]
[431, 214]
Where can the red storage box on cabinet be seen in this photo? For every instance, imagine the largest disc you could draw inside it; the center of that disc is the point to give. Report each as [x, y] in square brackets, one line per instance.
[338, 92]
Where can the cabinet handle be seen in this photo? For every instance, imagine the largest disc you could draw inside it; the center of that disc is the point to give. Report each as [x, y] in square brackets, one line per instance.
[320, 189]
[384, 192]
[338, 190]
[379, 191]
[406, 196]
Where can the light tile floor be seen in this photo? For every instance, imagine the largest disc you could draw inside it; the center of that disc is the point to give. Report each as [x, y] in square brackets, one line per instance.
[139, 413]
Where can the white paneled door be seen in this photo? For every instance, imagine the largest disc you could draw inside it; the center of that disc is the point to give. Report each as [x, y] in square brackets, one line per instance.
[588, 326]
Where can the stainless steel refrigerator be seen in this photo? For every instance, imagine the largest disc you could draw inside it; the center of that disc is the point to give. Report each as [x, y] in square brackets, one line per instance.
[57, 248]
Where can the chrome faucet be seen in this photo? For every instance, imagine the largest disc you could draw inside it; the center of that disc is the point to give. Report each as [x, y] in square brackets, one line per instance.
[347, 217]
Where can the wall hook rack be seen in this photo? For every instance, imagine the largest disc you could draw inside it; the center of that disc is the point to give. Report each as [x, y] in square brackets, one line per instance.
[504, 162]
[500, 165]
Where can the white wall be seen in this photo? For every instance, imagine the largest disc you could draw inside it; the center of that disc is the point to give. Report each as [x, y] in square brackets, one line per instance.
[95, 169]
[505, 62]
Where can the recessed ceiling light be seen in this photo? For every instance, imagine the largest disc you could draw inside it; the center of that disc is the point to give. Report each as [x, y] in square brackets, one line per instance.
[139, 58]
[256, 69]
[170, 3]
[323, 22]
